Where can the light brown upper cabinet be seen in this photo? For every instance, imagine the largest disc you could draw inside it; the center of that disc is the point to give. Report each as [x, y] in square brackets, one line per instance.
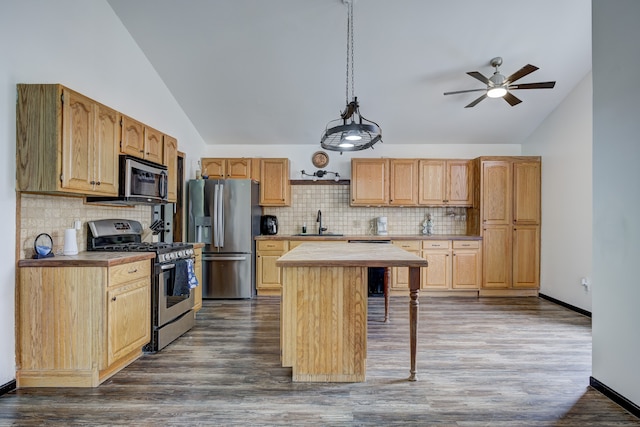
[445, 182]
[170, 160]
[404, 182]
[275, 189]
[141, 141]
[227, 168]
[65, 142]
[369, 182]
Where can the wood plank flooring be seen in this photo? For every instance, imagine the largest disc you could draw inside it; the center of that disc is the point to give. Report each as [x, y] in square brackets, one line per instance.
[481, 362]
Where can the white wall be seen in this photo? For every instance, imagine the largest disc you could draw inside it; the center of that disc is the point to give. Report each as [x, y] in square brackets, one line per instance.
[83, 45]
[564, 140]
[616, 198]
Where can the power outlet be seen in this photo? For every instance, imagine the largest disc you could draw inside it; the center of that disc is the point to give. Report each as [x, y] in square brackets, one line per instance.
[585, 283]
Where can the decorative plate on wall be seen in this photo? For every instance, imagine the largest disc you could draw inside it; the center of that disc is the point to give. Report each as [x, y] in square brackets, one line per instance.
[320, 159]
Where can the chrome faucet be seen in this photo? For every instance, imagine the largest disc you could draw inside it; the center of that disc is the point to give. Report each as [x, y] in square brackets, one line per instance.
[319, 220]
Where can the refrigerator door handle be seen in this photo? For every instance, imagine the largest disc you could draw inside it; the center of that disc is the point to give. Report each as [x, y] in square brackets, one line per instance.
[221, 215]
[225, 258]
[216, 216]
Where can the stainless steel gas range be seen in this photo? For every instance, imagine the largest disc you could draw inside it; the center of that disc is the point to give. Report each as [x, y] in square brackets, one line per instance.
[171, 298]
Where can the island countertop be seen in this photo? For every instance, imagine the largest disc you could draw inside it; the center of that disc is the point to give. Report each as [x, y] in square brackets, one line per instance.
[342, 254]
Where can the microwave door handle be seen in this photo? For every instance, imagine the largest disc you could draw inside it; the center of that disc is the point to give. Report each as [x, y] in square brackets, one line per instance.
[163, 185]
[221, 215]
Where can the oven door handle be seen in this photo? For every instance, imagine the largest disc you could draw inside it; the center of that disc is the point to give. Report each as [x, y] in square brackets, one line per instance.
[167, 266]
[225, 258]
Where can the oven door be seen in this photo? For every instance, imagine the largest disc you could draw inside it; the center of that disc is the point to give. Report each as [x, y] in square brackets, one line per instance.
[174, 297]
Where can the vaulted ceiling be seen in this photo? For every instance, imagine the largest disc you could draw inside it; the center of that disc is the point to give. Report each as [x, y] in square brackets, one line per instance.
[274, 71]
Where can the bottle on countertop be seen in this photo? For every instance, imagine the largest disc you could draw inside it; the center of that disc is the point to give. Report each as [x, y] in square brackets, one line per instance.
[304, 228]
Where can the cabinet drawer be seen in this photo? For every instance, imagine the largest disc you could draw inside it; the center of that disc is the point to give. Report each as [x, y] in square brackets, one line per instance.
[408, 245]
[436, 244]
[127, 272]
[272, 245]
[466, 244]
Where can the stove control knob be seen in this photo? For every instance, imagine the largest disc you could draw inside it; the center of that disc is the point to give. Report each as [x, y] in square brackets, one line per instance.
[161, 257]
[180, 254]
[171, 255]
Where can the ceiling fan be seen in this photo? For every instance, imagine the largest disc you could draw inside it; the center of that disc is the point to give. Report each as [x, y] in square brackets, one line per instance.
[499, 86]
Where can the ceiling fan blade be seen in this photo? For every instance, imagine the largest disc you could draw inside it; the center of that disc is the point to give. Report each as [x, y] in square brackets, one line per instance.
[464, 91]
[541, 85]
[473, 104]
[512, 100]
[477, 75]
[527, 69]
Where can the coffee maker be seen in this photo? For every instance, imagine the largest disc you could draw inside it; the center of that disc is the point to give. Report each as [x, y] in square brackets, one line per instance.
[381, 226]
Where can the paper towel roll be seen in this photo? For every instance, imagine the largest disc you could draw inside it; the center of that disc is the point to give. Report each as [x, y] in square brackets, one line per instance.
[70, 243]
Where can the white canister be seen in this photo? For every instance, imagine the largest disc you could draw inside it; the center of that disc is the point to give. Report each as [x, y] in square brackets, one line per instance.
[70, 243]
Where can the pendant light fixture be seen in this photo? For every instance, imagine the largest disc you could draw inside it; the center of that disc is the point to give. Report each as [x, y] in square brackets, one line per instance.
[351, 132]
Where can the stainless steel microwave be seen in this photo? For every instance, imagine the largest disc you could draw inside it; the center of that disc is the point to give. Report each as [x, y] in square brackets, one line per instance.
[140, 182]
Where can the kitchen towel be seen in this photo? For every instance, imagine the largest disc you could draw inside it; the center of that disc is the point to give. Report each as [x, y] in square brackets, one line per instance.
[191, 274]
[181, 283]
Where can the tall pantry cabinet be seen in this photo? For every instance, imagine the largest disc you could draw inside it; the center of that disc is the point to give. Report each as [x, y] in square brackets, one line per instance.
[507, 216]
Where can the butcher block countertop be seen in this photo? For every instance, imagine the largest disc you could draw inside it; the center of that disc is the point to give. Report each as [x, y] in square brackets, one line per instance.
[88, 259]
[342, 254]
[368, 237]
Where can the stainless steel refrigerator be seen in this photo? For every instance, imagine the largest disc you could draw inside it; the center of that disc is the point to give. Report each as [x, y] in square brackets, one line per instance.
[225, 215]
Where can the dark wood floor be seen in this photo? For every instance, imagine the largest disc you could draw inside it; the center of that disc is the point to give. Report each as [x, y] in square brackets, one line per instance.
[487, 362]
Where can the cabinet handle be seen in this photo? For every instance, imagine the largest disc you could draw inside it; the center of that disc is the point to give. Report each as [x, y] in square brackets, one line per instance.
[98, 183]
[142, 151]
[135, 270]
[113, 299]
[92, 182]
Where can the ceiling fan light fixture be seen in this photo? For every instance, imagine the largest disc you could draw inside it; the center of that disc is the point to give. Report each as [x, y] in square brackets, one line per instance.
[496, 92]
[359, 133]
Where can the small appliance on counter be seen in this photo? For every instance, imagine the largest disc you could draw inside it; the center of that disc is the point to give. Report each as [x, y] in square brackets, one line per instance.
[268, 225]
[381, 226]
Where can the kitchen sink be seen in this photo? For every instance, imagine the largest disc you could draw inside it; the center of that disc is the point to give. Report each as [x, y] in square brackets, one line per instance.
[318, 235]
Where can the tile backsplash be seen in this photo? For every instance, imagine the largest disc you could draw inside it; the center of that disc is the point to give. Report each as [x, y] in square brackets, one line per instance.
[53, 214]
[339, 217]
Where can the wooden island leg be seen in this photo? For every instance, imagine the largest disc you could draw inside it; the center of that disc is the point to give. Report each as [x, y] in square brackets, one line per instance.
[414, 289]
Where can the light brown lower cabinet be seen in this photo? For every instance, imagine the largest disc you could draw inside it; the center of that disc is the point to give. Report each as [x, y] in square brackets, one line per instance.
[268, 275]
[78, 326]
[455, 266]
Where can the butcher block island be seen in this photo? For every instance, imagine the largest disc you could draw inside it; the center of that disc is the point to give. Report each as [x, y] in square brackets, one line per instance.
[324, 307]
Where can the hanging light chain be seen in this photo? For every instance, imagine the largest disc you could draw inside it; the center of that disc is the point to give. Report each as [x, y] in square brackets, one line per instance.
[350, 51]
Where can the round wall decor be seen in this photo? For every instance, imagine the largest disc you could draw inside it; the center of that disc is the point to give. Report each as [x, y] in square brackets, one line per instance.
[320, 159]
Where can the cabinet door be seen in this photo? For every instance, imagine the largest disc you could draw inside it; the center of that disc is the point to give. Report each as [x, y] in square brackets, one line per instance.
[106, 150]
[238, 168]
[369, 182]
[526, 193]
[269, 276]
[459, 183]
[496, 193]
[403, 182]
[128, 319]
[496, 256]
[438, 274]
[170, 154]
[132, 138]
[466, 269]
[526, 256]
[78, 139]
[213, 168]
[153, 144]
[274, 182]
[432, 182]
